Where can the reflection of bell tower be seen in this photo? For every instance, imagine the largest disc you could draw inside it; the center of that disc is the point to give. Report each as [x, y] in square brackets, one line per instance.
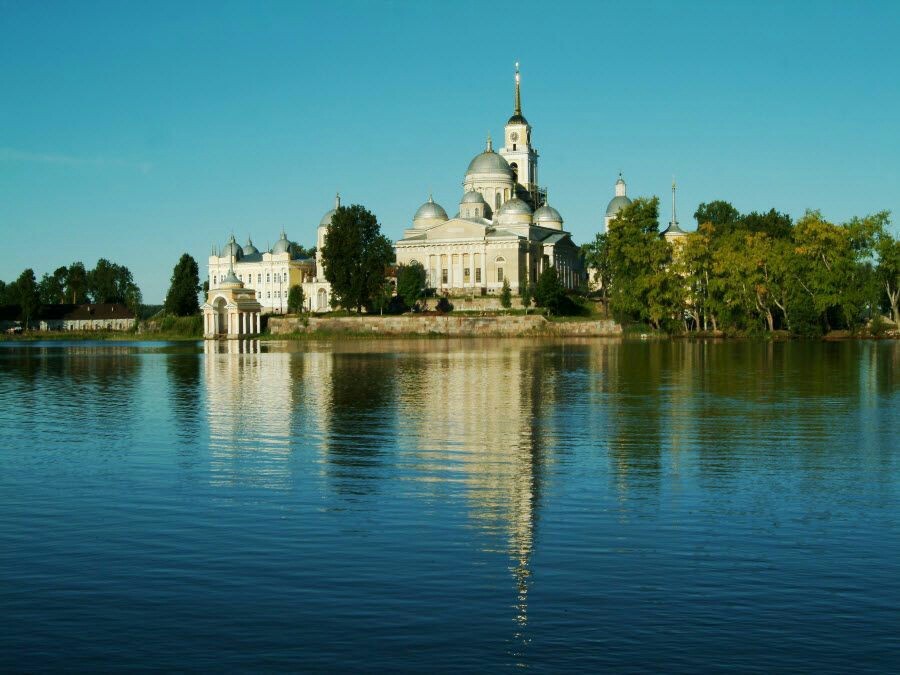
[518, 151]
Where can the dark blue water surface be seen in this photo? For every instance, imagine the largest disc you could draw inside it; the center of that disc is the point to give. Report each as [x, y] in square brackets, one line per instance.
[450, 505]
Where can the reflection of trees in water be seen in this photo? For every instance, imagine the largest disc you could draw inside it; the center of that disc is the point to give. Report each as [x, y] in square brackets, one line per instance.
[88, 389]
[185, 396]
[361, 419]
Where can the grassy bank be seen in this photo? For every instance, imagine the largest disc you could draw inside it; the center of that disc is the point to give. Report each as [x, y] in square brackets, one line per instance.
[170, 328]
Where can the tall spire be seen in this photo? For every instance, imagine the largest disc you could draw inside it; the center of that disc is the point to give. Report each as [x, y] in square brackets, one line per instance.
[518, 94]
[674, 217]
[337, 200]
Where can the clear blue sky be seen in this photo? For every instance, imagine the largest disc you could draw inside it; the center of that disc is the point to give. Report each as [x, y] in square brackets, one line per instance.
[138, 131]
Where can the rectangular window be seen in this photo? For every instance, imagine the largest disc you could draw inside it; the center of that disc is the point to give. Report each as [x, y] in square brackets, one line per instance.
[268, 278]
[269, 294]
[466, 274]
[477, 275]
[444, 276]
[259, 278]
[500, 274]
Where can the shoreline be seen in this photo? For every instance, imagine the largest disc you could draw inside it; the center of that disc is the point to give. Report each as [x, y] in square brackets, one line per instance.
[437, 327]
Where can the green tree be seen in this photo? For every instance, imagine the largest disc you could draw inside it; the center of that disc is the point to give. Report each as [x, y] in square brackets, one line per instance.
[506, 295]
[76, 283]
[411, 283]
[52, 287]
[721, 214]
[381, 300]
[110, 282]
[7, 292]
[596, 258]
[355, 257]
[549, 292]
[642, 287]
[887, 271]
[181, 300]
[527, 294]
[296, 299]
[28, 296]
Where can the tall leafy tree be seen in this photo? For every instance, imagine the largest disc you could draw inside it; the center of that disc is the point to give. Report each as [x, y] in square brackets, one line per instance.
[721, 214]
[505, 294]
[28, 296]
[355, 257]
[596, 259]
[411, 283]
[296, 299]
[76, 283]
[887, 271]
[110, 282]
[181, 300]
[549, 292]
[642, 285]
[52, 287]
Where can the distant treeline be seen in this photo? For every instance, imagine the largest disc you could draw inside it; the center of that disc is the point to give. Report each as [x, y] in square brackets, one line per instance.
[748, 273]
[107, 282]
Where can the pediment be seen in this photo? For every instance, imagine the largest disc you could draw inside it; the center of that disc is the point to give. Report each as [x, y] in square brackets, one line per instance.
[458, 228]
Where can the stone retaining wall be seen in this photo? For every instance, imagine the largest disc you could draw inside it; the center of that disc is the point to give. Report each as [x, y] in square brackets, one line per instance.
[450, 325]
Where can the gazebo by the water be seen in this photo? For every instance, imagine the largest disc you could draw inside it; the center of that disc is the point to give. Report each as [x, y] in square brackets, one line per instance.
[230, 310]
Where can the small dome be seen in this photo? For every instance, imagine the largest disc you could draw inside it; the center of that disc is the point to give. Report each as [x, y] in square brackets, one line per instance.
[515, 207]
[547, 214]
[230, 280]
[232, 248]
[326, 219]
[430, 210]
[616, 204]
[489, 162]
[472, 197]
[620, 181]
[517, 119]
[249, 248]
[282, 245]
[514, 212]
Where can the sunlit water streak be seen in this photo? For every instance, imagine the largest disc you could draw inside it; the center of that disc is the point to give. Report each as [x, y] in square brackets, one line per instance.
[450, 505]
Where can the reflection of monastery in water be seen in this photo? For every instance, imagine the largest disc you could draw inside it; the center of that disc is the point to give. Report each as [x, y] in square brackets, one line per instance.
[249, 405]
[476, 417]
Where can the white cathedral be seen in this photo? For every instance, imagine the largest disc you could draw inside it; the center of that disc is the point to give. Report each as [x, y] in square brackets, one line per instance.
[505, 229]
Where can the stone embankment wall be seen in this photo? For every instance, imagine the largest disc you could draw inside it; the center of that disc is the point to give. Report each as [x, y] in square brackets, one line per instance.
[455, 326]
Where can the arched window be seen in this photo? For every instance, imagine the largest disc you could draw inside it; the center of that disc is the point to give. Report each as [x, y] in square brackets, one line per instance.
[497, 200]
[515, 169]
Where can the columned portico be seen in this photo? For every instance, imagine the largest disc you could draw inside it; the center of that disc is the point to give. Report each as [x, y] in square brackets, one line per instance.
[231, 311]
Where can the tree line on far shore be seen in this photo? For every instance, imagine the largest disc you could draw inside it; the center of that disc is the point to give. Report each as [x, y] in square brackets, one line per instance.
[106, 282]
[755, 272]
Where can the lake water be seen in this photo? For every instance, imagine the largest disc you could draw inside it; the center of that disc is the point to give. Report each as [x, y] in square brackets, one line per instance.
[450, 506]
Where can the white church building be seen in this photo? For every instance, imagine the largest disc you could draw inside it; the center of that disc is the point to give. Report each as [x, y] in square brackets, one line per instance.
[505, 228]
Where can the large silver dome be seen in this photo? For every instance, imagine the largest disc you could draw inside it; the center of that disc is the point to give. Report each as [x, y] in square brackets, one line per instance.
[489, 162]
[616, 204]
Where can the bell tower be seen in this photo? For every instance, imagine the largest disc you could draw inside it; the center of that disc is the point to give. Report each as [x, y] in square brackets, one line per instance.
[518, 151]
